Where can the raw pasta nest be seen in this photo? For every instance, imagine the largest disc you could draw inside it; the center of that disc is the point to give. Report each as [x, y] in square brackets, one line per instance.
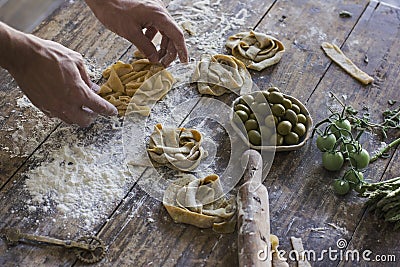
[256, 50]
[177, 148]
[200, 202]
[220, 74]
[126, 82]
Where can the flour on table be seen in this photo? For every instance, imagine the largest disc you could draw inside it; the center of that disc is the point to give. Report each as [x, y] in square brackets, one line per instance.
[23, 139]
[80, 181]
[201, 15]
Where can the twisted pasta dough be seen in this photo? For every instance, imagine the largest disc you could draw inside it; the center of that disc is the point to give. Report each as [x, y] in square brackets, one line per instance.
[178, 148]
[199, 202]
[126, 82]
[219, 74]
[256, 50]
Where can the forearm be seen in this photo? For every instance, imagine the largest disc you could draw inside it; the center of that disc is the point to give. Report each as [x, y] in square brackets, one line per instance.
[11, 41]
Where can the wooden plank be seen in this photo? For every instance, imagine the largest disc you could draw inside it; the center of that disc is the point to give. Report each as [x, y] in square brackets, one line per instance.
[299, 188]
[372, 233]
[225, 252]
[25, 15]
[75, 27]
[132, 231]
[183, 245]
[49, 226]
[24, 128]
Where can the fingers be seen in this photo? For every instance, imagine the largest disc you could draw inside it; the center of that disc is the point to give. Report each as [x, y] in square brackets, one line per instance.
[93, 101]
[175, 35]
[77, 115]
[163, 47]
[170, 54]
[150, 32]
[144, 45]
[99, 105]
[85, 77]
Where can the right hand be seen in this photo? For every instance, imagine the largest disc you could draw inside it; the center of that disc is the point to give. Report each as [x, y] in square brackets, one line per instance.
[54, 78]
[128, 18]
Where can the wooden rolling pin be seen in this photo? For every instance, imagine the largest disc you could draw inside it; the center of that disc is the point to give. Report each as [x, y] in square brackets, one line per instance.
[253, 216]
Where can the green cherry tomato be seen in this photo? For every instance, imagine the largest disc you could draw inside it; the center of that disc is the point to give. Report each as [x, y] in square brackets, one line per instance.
[354, 177]
[332, 161]
[326, 142]
[341, 128]
[347, 148]
[341, 187]
[359, 159]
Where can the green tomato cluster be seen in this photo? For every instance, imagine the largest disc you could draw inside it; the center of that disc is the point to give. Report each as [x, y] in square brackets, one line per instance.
[338, 146]
[270, 118]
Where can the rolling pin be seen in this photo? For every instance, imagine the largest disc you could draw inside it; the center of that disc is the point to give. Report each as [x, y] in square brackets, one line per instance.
[253, 215]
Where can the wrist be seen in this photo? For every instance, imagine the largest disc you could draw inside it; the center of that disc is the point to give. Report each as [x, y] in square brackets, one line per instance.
[12, 43]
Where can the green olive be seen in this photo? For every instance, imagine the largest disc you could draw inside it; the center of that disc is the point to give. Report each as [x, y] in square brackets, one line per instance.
[291, 138]
[278, 110]
[284, 127]
[276, 139]
[291, 116]
[287, 103]
[254, 137]
[301, 118]
[251, 125]
[242, 115]
[270, 121]
[247, 100]
[263, 108]
[242, 107]
[275, 98]
[259, 97]
[300, 129]
[266, 132]
[296, 108]
[266, 94]
[252, 116]
[273, 89]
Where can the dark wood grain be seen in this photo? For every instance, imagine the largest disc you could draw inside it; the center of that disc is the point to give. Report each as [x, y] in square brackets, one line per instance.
[137, 228]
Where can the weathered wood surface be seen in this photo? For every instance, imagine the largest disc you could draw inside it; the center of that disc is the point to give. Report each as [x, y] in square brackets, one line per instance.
[138, 230]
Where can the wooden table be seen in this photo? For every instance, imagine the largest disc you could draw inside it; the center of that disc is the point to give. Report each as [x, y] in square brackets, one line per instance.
[136, 227]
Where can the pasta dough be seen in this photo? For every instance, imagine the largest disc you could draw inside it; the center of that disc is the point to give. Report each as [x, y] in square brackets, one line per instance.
[178, 148]
[150, 92]
[219, 74]
[334, 53]
[124, 81]
[256, 50]
[199, 202]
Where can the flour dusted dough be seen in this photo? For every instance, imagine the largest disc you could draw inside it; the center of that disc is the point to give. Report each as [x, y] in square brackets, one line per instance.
[124, 80]
[178, 148]
[220, 74]
[200, 202]
[334, 53]
[151, 91]
[256, 50]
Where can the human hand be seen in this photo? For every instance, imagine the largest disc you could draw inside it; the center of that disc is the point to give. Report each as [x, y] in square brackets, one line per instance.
[128, 18]
[54, 78]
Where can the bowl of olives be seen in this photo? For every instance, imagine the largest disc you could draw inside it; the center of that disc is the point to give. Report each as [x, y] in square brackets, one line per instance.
[271, 120]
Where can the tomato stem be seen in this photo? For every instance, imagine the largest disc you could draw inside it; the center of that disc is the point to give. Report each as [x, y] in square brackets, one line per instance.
[381, 152]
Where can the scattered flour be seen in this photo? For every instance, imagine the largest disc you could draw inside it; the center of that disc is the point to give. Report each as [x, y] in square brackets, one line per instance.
[202, 15]
[23, 139]
[80, 181]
